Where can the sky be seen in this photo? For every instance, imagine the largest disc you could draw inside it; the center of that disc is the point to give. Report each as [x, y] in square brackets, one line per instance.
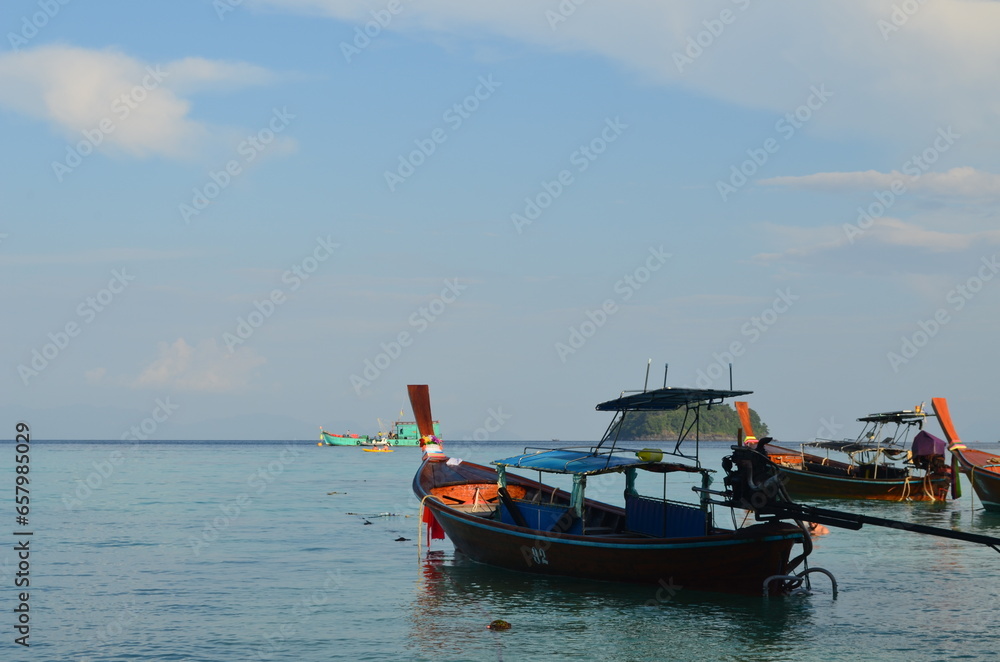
[249, 219]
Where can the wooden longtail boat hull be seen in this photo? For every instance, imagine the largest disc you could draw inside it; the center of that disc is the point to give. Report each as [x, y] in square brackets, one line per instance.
[983, 470]
[802, 482]
[461, 499]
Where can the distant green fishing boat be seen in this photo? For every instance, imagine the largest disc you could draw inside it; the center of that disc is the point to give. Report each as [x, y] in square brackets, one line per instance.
[405, 433]
[331, 439]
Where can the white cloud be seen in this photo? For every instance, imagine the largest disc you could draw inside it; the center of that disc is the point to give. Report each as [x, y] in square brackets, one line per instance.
[965, 182]
[804, 244]
[206, 367]
[894, 232]
[135, 107]
[941, 60]
[800, 242]
[196, 74]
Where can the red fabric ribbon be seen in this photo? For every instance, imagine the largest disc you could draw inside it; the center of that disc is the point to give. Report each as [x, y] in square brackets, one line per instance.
[434, 530]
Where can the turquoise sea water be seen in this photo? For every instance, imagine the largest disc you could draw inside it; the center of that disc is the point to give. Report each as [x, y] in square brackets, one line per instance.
[261, 551]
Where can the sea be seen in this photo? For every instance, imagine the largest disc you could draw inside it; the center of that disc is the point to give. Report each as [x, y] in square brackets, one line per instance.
[285, 550]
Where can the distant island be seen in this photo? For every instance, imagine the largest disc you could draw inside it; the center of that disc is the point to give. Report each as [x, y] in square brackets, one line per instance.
[719, 423]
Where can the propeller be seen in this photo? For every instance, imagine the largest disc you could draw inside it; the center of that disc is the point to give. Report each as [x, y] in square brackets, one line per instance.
[420, 401]
[940, 406]
[743, 409]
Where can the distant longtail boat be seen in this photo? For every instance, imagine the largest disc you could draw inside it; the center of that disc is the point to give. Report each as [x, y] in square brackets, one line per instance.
[875, 465]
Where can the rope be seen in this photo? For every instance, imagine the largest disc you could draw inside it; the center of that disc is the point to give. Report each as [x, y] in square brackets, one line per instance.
[420, 533]
[929, 487]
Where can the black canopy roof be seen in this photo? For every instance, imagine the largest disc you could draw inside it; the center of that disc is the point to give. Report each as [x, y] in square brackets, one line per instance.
[895, 417]
[665, 399]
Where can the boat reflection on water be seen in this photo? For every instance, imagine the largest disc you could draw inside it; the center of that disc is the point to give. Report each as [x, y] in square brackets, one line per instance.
[433, 630]
[457, 598]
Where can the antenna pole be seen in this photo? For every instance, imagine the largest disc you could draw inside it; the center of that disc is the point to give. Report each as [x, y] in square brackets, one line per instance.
[666, 366]
[730, 376]
[646, 383]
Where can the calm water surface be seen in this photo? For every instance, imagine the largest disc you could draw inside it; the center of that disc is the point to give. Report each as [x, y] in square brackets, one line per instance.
[289, 551]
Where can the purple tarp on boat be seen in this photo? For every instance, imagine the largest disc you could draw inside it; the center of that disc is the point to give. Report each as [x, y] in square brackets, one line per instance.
[927, 444]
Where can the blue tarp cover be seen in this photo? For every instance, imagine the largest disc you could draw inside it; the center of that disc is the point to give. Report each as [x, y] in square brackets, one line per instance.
[572, 462]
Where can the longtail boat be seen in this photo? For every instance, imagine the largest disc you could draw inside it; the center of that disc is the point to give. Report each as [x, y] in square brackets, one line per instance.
[495, 516]
[876, 465]
[982, 468]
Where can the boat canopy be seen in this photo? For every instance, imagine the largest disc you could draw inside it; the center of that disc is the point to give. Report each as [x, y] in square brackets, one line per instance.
[869, 439]
[586, 463]
[666, 399]
[895, 417]
[853, 446]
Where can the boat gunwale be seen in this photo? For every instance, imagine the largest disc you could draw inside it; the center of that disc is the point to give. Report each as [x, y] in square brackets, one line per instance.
[966, 455]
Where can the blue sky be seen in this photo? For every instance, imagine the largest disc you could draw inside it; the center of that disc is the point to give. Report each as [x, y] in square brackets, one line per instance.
[272, 215]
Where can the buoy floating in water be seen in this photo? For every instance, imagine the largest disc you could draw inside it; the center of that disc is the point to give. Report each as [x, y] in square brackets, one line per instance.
[498, 624]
